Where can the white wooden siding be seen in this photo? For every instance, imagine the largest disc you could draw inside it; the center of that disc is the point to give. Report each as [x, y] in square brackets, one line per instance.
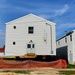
[71, 47]
[21, 37]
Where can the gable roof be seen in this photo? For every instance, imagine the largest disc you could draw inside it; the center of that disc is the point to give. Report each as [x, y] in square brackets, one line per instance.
[30, 17]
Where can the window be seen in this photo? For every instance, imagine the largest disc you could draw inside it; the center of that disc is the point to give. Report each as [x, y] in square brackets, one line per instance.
[30, 30]
[14, 27]
[65, 39]
[28, 45]
[71, 37]
[32, 45]
[58, 42]
[14, 43]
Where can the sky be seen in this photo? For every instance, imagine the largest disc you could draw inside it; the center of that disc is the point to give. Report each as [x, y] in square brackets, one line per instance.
[61, 12]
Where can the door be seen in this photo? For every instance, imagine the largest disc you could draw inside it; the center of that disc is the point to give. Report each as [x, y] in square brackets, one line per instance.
[71, 58]
[62, 53]
[30, 48]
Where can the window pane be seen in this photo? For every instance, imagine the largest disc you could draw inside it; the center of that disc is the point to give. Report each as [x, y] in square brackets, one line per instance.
[32, 45]
[66, 39]
[70, 37]
[28, 45]
[30, 30]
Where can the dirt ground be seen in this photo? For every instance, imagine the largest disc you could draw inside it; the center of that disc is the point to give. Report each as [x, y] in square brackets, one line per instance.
[34, 72]
[41, 71]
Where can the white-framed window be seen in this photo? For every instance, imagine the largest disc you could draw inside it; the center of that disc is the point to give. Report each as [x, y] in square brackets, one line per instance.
[30, 45]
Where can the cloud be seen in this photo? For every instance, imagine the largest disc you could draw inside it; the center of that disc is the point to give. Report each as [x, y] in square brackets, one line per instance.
[52, 13]
[47, 12]
[61, 11]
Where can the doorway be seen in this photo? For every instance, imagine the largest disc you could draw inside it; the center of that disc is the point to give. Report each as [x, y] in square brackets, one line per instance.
[31, 47]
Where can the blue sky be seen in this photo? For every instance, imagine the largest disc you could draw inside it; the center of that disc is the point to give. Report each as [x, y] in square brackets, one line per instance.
[62, 12]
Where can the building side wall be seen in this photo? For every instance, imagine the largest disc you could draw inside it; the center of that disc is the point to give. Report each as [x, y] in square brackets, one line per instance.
[74, 46]
[21, 37]
[69, 44]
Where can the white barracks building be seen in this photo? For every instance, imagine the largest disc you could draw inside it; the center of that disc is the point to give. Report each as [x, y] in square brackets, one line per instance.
[30, 34]
[66, 47]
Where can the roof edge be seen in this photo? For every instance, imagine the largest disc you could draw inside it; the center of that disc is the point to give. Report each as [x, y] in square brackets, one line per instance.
[65, 35]
[29, 15]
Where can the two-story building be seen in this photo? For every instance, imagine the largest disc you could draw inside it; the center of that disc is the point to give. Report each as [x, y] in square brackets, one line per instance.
[30, 34]
[66, 47]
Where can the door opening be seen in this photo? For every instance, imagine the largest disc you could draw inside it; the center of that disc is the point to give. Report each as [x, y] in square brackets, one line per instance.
[31, 48]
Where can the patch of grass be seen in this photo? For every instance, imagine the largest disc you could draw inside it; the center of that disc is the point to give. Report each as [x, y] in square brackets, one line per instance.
[67, 72]
[24, 72]
[5, 71]
[70, 66]
[19, 71]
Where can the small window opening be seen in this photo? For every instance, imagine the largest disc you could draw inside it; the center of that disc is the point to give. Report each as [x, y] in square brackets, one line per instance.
[14, 43]
[65, 39]
[14, 27]
[32, 45]
[28, 45]
[30, 30]
[71, 37]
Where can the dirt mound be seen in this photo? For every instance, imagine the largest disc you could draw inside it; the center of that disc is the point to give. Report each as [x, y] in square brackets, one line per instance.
[32, 64]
